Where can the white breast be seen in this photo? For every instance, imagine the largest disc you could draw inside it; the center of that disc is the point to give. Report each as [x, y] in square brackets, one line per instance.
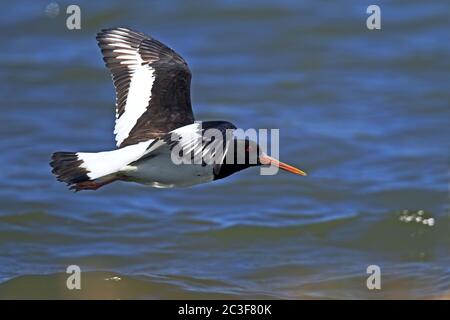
[159, 171]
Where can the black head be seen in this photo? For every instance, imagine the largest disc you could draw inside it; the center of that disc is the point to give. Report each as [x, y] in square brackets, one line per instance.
[243, 154]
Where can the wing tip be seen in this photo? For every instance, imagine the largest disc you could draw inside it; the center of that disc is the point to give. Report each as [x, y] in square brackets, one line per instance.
[67, 167]
[113, 29]
[119, 31]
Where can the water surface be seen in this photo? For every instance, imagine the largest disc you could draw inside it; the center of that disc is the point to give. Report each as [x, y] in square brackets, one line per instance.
[365, 113]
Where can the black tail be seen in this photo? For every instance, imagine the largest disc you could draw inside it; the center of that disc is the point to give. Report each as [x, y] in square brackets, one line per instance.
[66, 167]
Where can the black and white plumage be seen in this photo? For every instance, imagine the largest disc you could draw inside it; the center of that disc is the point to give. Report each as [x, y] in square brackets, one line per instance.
[152, 85]
[153, 116]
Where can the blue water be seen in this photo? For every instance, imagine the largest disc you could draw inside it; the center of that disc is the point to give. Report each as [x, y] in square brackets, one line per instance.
[365, 113]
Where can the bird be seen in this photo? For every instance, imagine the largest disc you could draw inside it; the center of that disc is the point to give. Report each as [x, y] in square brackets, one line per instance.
[154, 121]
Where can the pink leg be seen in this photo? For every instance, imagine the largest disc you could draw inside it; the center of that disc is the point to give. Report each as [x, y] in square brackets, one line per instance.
[92, 185]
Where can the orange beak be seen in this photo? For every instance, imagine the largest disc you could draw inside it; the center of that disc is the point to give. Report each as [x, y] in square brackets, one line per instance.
[265, 159]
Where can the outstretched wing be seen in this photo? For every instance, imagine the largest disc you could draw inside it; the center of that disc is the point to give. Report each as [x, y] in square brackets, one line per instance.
[152, 85]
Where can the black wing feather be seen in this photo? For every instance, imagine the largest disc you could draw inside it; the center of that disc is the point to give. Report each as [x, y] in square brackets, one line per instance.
[170, 103]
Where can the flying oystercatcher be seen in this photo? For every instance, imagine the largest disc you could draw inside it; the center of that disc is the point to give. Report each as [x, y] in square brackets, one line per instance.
[153, 116]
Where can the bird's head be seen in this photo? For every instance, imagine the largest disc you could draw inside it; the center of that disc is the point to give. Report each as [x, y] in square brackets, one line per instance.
[246, 153]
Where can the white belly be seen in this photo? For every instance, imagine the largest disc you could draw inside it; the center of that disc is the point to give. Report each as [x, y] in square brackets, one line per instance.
[161, 172]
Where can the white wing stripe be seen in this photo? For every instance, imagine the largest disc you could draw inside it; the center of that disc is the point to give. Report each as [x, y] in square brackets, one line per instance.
[139, 91]
[101, 164]
[118, 42]
[138, 98]
[127, 51]
[126, 57]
